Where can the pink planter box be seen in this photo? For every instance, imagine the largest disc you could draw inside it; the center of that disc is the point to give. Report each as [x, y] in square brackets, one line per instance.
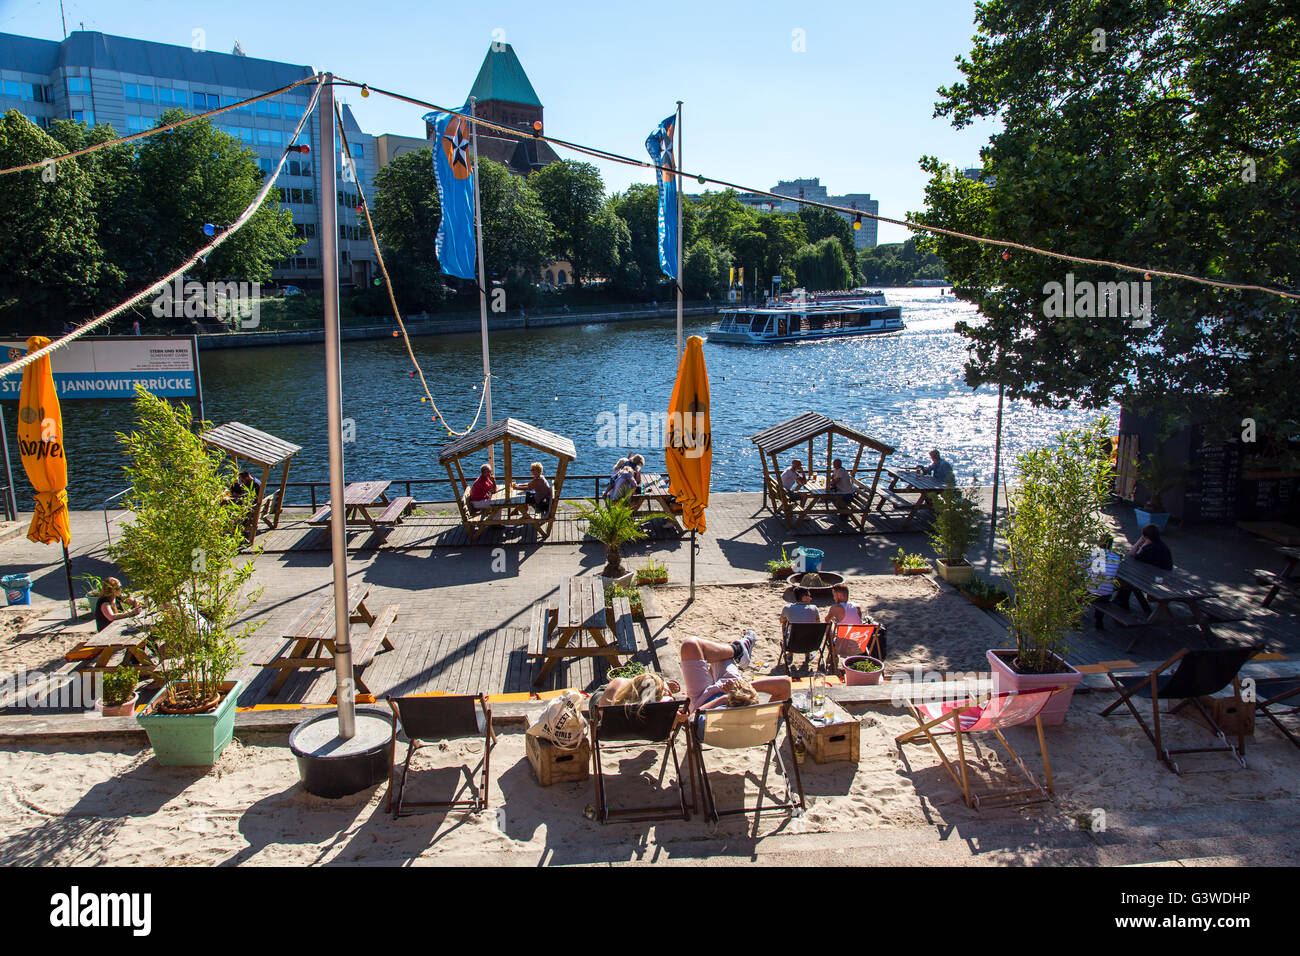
[1008, 680]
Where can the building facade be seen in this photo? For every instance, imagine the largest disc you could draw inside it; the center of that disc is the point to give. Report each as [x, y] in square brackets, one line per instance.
[863, 238]
[95, 78]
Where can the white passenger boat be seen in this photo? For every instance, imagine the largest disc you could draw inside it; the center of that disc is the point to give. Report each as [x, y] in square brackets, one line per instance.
[832, 316]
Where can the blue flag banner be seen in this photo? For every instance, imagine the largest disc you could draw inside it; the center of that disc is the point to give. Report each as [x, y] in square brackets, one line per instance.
[455, 175]
[660, 147]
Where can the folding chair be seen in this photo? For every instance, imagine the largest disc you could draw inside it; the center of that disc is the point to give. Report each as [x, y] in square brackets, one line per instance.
[1276, 695]
[1199, 674]
[994, 714]
[803, 638]
[737, 728]
[635, 725]
[865, 638]
[421, 721]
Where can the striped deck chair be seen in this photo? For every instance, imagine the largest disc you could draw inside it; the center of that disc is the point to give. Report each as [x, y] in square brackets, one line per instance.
[851, 639]
[995, 714]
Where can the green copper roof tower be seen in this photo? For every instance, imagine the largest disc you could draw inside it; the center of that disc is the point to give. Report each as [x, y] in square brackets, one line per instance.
[502, 78]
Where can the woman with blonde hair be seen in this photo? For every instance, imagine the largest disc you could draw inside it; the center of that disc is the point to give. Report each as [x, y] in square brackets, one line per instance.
[646, 688]
[537, 491]
[111, 598]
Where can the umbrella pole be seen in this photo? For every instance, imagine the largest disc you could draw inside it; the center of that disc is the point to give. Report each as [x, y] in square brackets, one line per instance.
[67, 572]
[692, 564]
[11, 502]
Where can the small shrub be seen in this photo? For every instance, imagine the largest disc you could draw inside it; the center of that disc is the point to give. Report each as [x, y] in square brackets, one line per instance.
[119, 685]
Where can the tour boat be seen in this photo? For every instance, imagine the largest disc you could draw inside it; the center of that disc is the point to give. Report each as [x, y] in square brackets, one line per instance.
[832, 316]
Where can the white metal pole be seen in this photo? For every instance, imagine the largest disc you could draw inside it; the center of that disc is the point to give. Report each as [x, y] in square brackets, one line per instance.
[482, 275]
[329, 252]
[677, 150]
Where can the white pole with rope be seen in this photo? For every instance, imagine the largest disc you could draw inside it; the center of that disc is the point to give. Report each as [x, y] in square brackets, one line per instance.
[482, 275]
[677, 172]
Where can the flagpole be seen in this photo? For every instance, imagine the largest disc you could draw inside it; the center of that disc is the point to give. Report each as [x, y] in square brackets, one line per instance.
[997, 459]
[482, 275]
[677, 171]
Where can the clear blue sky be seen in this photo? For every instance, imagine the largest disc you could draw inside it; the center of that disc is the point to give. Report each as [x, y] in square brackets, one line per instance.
[854, 108]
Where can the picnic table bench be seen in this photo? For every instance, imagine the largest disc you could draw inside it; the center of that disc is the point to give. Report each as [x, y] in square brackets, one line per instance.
[580, 611]
[1288, 579]
[359, 498]
[914, 483]
[653, 498]
[1157, 591]
[128, 635]
[313, 638]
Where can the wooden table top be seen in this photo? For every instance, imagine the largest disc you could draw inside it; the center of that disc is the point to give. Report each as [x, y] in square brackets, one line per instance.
[317, 622]
[122, 632]
[364, 492]
[1173, 586]
[582, 603]
[916, 480]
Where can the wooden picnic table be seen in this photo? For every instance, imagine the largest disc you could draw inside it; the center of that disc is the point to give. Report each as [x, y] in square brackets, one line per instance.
[128, 635]
[313, 638]
[359, 498]
[654, 498]
[1288, 577]
[1157, 591]
[579, 612]
[913, 483]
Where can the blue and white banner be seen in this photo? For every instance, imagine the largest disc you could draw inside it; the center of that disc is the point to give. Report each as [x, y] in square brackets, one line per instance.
[454, 171]
[111, 367]
[659, 145]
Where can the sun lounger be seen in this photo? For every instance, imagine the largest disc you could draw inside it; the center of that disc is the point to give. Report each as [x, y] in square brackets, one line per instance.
[736, 728]
[993, 715]
[422, 721]
[1198, 674]
[633, 725]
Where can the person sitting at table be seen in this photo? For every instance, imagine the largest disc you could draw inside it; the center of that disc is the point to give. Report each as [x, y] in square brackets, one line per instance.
[621, 485]
[637, 462]
[1103, 564]
[711, 674]
[621, 464]
[793, 478]
[245, 490]
[646, 688]
[938, 467]
[1149, 549]
[840, 483]
[801, 610]
[537, 492]
[108, 607]
[481, 492]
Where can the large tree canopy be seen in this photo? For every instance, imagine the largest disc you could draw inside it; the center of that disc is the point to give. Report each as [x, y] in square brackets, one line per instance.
[406, 215]
[1150, 132]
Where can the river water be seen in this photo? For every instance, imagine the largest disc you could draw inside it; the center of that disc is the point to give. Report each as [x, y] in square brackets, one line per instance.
[905, 389]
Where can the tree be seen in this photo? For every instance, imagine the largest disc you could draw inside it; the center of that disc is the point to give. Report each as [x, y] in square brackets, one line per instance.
[705, 269]
[1148, 133]
[822, 223]
[406, 214]
[785, 235]
[516, 233]
[722, 216]
[47, 228]
[898, 263]
[572, 195]
[606, 243]
[821, 266]
[639, 209]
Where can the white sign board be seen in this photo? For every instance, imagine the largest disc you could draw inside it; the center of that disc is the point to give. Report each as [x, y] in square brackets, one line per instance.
[112, 366]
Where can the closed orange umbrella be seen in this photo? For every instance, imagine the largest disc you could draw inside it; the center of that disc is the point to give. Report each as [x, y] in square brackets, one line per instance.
[40, 445]
[689, 455]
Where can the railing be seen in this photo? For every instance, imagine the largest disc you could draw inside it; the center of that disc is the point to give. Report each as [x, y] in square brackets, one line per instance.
[104, 507]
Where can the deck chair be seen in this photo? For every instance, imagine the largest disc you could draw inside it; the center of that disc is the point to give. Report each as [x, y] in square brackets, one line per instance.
[993, 714]
[850, 639]
[737, 728]
[1198, 674]
[633, 725]
[1275, 696]
[421, 721]
[803, 638]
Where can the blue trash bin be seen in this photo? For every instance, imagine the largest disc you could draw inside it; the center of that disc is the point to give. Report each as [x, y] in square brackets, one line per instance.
[18, 588]
[812, 559]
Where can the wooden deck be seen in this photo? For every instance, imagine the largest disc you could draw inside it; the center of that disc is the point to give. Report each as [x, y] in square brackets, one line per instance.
[425, 661]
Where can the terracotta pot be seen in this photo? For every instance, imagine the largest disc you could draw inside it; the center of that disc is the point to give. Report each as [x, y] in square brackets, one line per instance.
[124, 709]
[856, 678]
[1006, 678]
[782, 574]
[899, 569]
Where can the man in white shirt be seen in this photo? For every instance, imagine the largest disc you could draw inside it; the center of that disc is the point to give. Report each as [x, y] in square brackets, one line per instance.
[794, 478]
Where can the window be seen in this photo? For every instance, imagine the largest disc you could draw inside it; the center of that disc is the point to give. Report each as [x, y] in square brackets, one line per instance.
[79, 85]
[308, 197]
[169, 97]
[270, 137]
[138, 124]
[84, 116]
[204, 101]
[304, 230]
[358, 150]
[137, 93]
[290, 111]
[267, 108]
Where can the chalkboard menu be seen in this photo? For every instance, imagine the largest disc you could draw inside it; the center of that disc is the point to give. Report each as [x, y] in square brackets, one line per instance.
[1272, 498]
[1213, 480]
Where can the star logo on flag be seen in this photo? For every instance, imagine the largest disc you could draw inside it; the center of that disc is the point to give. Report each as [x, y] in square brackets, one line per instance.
[455, 144]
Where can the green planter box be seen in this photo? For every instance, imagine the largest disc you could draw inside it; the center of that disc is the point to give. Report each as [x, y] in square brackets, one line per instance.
[192, 740]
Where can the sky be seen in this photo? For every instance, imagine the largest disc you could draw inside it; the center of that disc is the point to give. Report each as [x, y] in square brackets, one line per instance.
[771, 90]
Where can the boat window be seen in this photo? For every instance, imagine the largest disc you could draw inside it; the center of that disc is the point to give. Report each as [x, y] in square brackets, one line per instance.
[758, 324]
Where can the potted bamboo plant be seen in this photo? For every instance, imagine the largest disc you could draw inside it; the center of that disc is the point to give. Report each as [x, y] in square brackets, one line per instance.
[1055, 512]
[613, 524]
[956, 519]
[180, 552]
[1156, 477]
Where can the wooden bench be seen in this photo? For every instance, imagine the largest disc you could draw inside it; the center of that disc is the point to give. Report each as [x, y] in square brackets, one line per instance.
[895, 499]
[624, 626]
[539, 630]
[1275, 582]
[376, 636]
[320, 515]
[397, 509]
[1124, 617]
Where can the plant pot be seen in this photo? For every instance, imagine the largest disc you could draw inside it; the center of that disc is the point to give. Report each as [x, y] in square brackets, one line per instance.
[329, 767]
[856, 678]
[191, 740]
[983, 603]
[955, 573]
[782, 574]
[899, 569]
[623, 579]
[1157, 518]
[124, 709]
[1006, 678]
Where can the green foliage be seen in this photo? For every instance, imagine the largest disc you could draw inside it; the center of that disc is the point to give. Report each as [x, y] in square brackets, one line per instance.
[572, 194]
[654, 572]
[822, 224]
[629, 670]
[956, 520]
[1175, 146]
[633, 595]
[1157, 476]
[1055, 516]
[982, 591]
[182, 547]
[516, 233]
[612, 524]
[899, 263]
[822, 267]
[406, 214]
[781, 564]
[904, 561]
[705, 270]
[866, 667]
[119, 685]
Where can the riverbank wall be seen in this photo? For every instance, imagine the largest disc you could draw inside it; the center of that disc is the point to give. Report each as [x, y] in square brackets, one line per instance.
[445, 325]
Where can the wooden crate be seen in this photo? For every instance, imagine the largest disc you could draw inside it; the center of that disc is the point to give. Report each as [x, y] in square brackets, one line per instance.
[553, 765]
[830, 742]
[1234, 717]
